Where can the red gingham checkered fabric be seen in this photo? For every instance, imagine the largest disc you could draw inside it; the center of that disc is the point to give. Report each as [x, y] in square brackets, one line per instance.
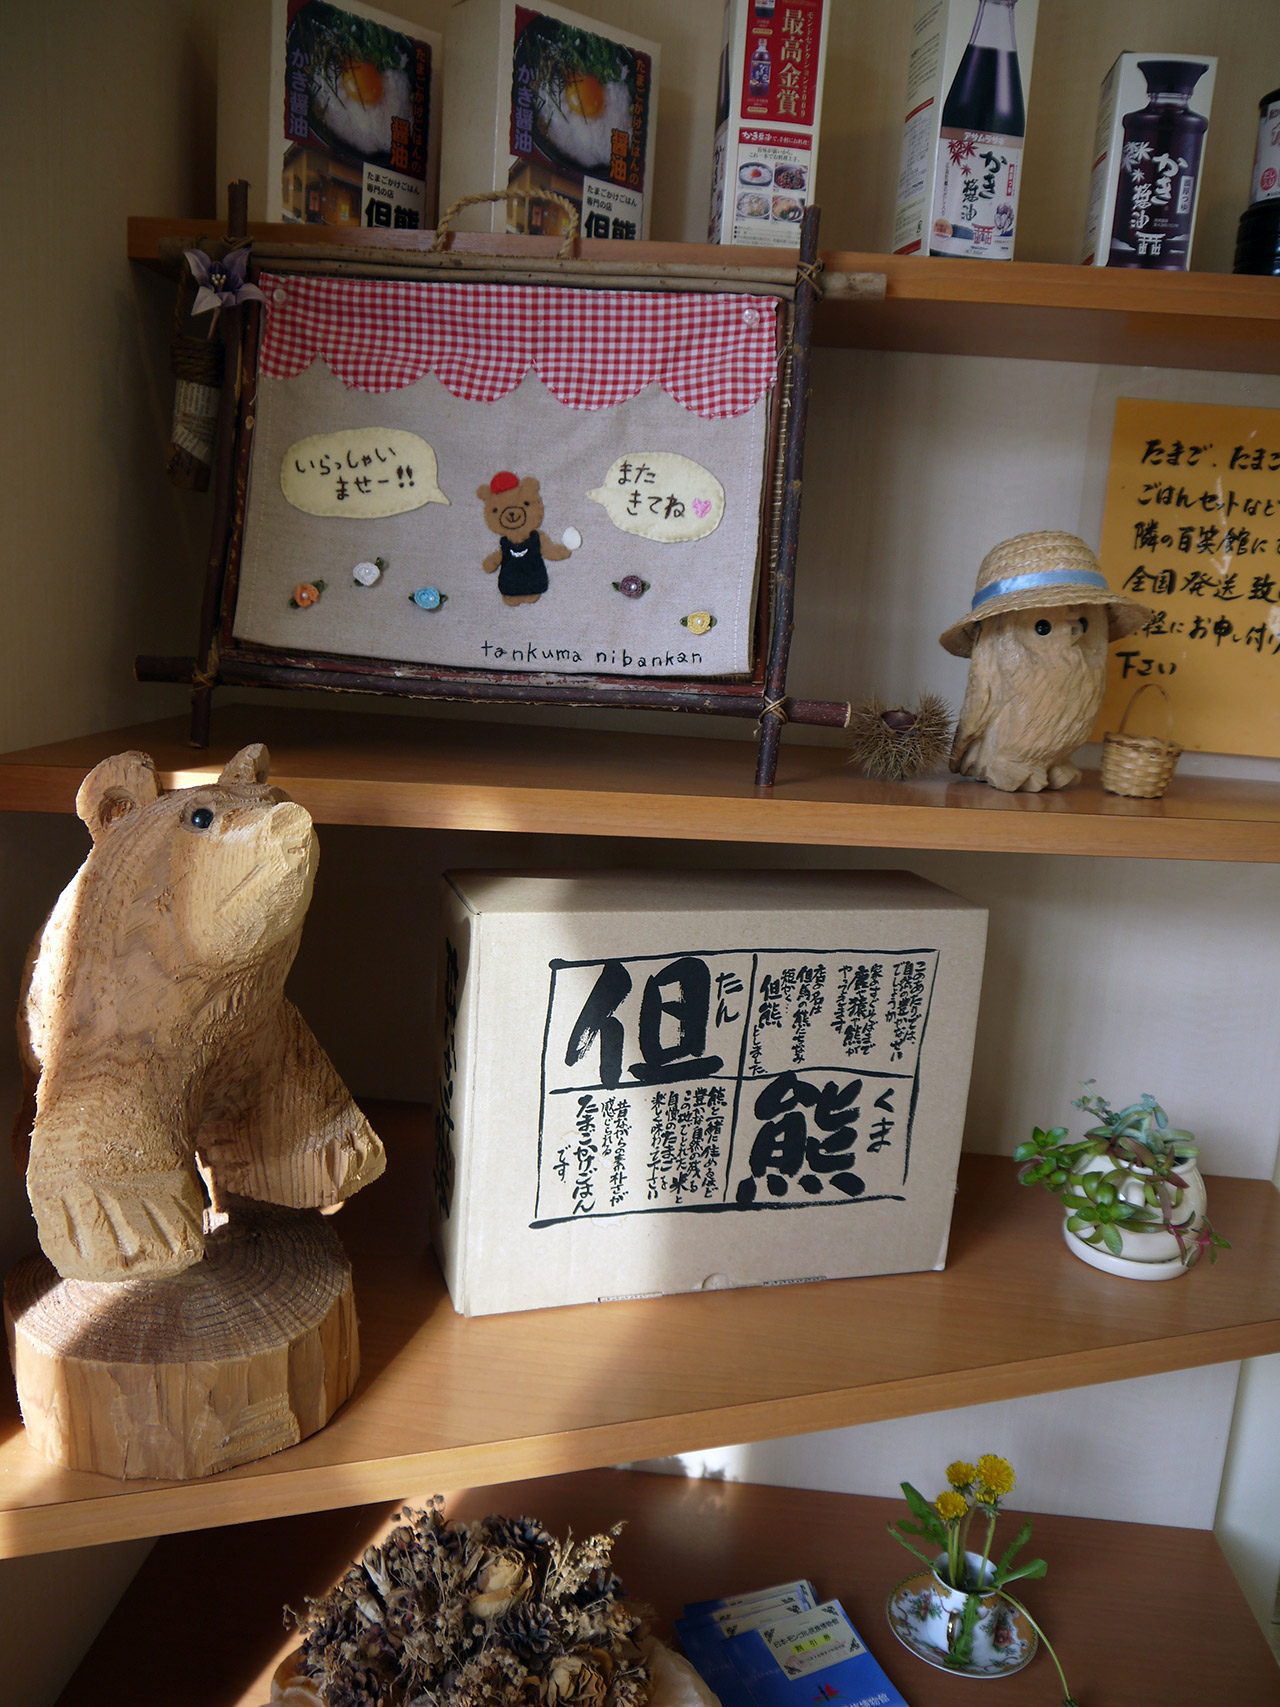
[713, 353]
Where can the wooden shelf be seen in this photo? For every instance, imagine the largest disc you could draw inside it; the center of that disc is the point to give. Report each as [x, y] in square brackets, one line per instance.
[1137, 1614]
[444, 773]
[445, 1402]
[1219, 321]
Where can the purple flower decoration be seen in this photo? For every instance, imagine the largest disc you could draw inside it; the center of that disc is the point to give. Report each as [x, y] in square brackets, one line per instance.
[222, 283]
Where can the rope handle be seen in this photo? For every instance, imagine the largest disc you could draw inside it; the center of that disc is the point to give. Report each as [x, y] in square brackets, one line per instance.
[1168, 712]
[562, 253]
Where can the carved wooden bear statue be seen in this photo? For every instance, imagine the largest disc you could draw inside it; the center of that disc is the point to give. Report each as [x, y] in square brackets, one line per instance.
[156, 1039]
[513, 510]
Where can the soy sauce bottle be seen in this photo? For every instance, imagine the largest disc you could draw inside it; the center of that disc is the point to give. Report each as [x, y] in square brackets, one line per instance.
[1159, 171]
[984, 121]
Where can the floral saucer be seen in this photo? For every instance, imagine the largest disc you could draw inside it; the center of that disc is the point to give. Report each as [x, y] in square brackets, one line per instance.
[917, 1610]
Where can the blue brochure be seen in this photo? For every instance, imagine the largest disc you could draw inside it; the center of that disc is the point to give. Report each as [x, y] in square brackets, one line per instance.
[806, 1659]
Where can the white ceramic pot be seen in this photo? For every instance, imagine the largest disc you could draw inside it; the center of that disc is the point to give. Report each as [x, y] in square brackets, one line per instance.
[1143, 1256]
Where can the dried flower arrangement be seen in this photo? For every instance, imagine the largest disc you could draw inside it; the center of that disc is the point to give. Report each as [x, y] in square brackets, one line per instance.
[491, 1614]
[899, 742]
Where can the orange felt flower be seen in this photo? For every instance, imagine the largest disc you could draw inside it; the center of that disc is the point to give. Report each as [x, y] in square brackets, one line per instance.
[305, 593]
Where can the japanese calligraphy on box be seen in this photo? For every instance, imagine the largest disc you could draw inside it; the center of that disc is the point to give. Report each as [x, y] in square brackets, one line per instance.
[508, 477]
[1192, 529]
[661, 1081]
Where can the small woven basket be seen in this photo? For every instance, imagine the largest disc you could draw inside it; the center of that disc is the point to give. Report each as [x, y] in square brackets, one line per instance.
[1140, 765]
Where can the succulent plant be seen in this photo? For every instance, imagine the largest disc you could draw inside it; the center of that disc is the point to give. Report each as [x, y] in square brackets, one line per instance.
[1140, 1146]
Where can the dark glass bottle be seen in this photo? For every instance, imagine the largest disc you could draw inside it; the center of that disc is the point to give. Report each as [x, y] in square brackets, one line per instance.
[975, 196]
[1159, 171]
[1258, 239]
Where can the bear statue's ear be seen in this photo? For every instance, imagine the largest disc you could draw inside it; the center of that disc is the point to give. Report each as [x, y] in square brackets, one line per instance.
[484, 494]
[528, 487]
[250, 764]
[119, 785]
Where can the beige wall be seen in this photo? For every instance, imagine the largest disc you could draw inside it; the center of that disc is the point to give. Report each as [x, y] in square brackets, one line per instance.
[107, 110]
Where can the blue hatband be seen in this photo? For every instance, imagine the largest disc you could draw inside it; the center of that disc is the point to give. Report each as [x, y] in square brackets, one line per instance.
[1043, 578]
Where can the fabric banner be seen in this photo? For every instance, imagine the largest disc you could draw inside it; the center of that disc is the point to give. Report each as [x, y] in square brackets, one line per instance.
[447, 477]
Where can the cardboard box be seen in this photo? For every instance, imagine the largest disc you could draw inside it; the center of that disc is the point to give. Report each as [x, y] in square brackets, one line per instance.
[768, 105]
[547, 101]
[968, 83]
[661, 1082]
[1145, 185]
[331, 112]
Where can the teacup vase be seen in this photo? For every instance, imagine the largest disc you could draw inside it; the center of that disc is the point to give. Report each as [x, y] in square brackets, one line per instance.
[928, 1616]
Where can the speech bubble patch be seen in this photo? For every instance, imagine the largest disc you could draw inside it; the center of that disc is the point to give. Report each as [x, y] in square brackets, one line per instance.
[661, 496]
[362, 472]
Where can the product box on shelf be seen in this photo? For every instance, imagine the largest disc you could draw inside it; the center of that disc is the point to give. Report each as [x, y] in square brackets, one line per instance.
[968, 80]
[548, 102]
[331, 112]
[768, 106]
[1145, 185]
[657, 1082]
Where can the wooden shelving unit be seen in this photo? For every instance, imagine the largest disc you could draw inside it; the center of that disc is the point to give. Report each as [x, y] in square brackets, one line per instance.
[1219, 321]
[442, 773]
[1120, 1600]
[446, 1402]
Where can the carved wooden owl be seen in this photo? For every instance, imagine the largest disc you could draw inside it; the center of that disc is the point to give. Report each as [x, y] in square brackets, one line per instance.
[1036, 680]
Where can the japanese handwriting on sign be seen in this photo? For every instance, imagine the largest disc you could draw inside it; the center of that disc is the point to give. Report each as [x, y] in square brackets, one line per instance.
[363, 473]
[1192, 530]
[661, 496]
[680, 994]
[731, 1080]
[807, 1137]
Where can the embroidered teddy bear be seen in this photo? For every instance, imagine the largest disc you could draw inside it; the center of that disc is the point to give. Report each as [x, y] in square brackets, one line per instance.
[513, 510]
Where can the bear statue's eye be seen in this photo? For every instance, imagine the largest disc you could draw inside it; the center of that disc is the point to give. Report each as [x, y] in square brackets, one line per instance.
[1084, 625]
[1043, 626]
[201, 818]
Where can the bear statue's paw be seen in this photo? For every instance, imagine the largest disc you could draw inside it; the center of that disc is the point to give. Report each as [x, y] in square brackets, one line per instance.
[122, 1229]
[350, 1162]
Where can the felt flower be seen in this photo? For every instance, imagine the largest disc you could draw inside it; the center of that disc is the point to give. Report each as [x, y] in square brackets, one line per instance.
[306, 593]
[428, 598]
[950, 1506]
[631, 586]
[222, 283]
[698, 621]
[370, 573]
[960, 1474]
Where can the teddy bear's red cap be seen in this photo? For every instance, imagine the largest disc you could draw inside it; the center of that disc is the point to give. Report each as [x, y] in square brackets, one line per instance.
[504, 482]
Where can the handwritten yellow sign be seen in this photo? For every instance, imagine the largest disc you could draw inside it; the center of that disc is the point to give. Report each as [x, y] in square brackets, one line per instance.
[362, 473]
[1192, 529]
[662, 496]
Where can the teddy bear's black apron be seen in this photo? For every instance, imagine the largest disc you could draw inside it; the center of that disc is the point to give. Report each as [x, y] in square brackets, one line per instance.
[522, 571]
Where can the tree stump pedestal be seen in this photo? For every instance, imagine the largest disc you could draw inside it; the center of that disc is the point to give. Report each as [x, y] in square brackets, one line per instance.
[242, 1354]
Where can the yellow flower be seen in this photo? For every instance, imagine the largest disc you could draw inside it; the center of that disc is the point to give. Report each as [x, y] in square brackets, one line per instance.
[960, 1474]
[950, 1505]
[996, 1476]
[699, 621]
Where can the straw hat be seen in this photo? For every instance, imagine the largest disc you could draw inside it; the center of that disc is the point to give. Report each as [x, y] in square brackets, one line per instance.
[1041, 571]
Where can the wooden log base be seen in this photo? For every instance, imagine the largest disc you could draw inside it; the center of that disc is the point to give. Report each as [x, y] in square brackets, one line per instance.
[240, 1355]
